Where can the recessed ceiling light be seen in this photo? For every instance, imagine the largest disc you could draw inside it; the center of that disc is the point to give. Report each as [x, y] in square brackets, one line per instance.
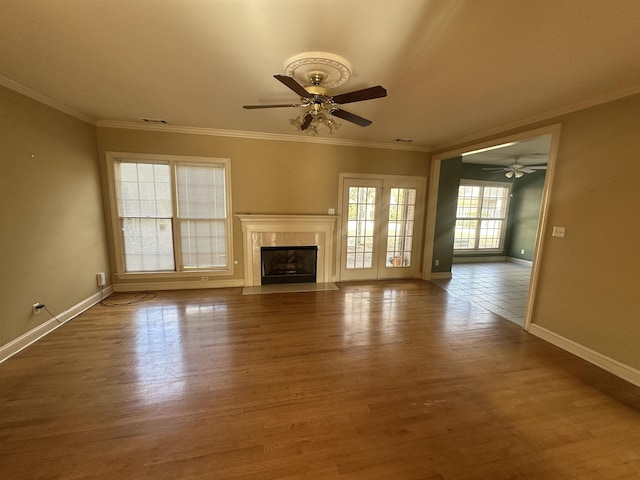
[495, 147]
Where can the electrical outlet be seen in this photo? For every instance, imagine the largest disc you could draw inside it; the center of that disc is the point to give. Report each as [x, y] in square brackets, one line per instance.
[437, 263]
[37, 307]
[101, 279]
[522, 252]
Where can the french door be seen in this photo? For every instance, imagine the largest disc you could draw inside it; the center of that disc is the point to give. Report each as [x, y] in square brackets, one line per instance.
[381, 226]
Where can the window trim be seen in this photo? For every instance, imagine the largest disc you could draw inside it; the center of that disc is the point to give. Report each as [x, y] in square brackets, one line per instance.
[118, 242]
[483, 184]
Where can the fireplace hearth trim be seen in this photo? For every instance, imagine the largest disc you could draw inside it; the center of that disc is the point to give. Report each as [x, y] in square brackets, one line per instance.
[287, 230]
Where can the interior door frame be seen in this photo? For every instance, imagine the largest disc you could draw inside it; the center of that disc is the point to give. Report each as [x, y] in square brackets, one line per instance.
[419, 226]
[432, 201]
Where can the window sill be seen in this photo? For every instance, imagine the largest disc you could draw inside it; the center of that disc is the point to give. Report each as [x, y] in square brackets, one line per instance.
[200, 274]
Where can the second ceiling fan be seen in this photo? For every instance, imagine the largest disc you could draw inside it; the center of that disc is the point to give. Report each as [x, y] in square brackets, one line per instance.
[516, 169]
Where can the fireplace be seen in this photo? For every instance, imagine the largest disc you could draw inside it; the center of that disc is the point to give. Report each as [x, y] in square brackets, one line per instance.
[291, 264]
[287, 231]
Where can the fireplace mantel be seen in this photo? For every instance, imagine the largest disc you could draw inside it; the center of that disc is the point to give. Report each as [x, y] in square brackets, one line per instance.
[260, 230]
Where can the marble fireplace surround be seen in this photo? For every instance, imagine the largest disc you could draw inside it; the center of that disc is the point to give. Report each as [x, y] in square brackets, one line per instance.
[260, 230]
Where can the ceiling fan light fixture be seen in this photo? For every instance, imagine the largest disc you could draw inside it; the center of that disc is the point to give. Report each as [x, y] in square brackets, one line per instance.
[509, 174]
[320, 119]
[518, 174]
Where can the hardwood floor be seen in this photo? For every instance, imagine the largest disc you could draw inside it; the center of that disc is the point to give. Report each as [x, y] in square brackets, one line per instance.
[397, 380]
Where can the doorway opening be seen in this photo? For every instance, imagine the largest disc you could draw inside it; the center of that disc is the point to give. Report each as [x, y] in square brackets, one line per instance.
[474, 231]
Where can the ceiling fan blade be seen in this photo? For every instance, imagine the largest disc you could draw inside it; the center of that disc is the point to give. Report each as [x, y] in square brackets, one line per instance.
[350, 117]
[538, 167]
[307, 121]
[254, 107]
[293, 85]
[359, 95]
[526, 170]
[495, 168]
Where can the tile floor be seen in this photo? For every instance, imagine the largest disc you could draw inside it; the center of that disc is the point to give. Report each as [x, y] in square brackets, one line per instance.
[500, 287]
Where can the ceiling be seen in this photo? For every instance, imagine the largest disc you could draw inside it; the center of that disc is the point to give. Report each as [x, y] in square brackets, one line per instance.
[534, 151]
[454, 70]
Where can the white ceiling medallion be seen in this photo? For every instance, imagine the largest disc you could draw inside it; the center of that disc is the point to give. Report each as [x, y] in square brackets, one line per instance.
[334, 69]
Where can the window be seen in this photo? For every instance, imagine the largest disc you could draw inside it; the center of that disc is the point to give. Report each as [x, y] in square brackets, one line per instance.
[173, 213]
[481, 216]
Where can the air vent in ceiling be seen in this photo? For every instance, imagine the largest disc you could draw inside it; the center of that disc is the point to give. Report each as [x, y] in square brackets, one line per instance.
[154, 120]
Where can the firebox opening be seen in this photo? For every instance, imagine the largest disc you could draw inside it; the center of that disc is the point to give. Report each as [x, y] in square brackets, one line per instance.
[288, 264]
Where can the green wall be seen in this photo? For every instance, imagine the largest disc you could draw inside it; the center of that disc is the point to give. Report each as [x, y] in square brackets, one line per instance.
[524, 209]
[524, 213]
[522, 222]
[450, 172]
[473, 171]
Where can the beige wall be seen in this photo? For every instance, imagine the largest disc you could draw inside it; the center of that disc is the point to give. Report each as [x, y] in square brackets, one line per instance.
[588, 281]
[52, 238]
[268, 176]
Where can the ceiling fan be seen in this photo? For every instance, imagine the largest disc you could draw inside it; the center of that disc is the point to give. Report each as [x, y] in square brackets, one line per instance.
[320, 102]
[516, 169]
[312, 76]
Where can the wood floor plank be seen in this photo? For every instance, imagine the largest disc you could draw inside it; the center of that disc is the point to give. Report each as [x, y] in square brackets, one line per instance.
[393, 379]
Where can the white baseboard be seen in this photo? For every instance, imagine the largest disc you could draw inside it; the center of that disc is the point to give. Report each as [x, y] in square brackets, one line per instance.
[143, 286]
[621, 370]
[23, 341]
[520, 261]
[464, 259]
[440, 275]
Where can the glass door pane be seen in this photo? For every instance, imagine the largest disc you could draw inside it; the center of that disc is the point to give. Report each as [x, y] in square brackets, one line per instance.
[402, 211]
[361, 216]
[381, 227]
[360, 226]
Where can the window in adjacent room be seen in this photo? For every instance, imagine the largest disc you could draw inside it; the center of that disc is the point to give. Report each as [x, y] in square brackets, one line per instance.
[173, 213]
[481, 216]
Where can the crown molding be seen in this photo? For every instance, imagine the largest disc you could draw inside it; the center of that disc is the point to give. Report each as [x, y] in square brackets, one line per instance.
[257, 135]
[39, 97]
[551, 114]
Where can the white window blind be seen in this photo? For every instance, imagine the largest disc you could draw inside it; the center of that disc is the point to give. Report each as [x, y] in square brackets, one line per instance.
[173, 214]
[202, 215]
